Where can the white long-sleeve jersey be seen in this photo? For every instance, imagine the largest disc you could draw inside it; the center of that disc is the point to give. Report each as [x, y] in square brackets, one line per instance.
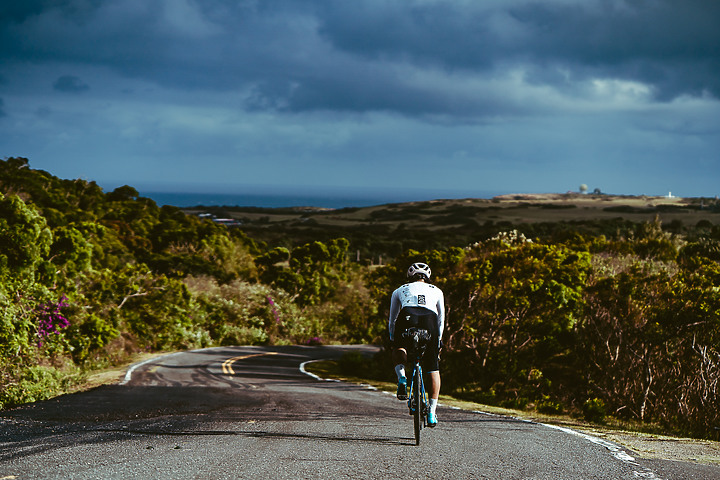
[417, 294]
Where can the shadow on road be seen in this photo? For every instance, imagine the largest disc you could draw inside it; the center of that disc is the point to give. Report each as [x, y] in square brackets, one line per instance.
[113, 412]
[267, 434]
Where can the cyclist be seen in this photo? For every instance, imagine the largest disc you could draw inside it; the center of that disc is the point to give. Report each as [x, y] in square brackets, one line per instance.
[418, 304]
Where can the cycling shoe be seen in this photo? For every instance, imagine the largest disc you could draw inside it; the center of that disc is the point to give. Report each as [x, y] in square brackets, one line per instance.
[402, 389]
[431, 419]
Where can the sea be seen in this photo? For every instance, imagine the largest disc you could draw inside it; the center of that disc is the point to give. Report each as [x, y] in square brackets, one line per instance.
[320, 198]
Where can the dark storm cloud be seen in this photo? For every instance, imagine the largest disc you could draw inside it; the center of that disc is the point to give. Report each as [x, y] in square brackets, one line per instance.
[18, 12]
[673, 46]
[363, 56]
[444, 34]
[211, 44]
[70, 84]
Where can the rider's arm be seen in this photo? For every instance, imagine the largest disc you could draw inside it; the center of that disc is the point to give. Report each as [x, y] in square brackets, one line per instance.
[441, 316]
[394, 311]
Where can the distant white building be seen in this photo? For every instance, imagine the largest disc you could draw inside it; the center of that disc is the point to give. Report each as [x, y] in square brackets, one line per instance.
[230, 222]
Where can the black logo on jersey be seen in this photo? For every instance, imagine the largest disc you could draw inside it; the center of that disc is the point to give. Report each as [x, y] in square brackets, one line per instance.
[421, 299]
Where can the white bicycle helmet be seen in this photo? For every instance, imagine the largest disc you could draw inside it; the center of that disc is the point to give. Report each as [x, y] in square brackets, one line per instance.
[419, 269]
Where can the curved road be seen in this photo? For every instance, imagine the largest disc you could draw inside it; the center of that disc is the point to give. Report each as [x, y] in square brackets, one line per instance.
[250, 412]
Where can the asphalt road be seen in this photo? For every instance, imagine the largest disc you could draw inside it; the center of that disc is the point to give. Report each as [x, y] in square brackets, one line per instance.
[249, 412]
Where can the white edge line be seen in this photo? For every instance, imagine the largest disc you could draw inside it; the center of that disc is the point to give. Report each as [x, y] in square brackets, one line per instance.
[615, 450]
[302, 369]
[128, 374]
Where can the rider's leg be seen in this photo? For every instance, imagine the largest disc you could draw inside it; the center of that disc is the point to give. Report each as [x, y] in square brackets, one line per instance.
[434, 390]
[434, 394]
[400, 359]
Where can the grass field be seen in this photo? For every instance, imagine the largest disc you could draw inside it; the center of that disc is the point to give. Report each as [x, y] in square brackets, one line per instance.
[385, 231]
[521, 208]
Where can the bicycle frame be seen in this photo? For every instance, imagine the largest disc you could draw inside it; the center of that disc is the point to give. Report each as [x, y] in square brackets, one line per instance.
[417, 401]
[417, 398]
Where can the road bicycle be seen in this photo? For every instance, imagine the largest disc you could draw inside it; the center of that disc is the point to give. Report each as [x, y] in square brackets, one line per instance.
[417, 400]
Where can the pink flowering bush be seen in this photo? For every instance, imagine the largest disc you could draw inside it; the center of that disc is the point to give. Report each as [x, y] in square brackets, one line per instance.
[51, 319]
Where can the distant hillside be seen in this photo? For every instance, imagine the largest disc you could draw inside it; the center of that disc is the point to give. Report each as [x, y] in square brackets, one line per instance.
[388, 229]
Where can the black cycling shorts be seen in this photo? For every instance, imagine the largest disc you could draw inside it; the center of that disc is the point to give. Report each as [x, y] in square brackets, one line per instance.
[421, 318]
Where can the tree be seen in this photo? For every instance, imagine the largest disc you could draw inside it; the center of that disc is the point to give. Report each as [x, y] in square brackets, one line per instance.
[70, 250]
[511, 312]
[123, 193]
[24, 238]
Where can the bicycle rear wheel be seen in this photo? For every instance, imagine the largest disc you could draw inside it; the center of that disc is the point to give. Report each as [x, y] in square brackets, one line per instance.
[417, 400]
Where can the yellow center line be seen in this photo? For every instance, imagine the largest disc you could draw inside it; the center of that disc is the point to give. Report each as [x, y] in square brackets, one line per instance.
[227, 364]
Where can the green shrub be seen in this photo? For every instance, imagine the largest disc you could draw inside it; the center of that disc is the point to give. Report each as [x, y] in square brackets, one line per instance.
[352, 363]
[519, 403]
[37, 383]
[594, 410]
[241, 335]
[549, 406]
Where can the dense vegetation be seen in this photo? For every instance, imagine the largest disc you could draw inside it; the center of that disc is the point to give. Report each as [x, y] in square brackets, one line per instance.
[585, 319]
[88, 278]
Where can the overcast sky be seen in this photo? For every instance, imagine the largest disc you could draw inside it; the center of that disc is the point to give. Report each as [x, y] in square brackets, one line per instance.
[439, 95]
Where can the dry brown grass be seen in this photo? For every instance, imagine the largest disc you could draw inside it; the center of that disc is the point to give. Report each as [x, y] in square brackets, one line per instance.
[516, 209]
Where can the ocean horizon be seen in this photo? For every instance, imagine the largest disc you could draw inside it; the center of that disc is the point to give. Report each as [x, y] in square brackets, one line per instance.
[319, 199]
